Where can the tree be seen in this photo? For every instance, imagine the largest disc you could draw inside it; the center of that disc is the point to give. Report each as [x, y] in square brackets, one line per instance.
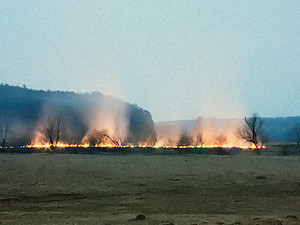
[199, 140]
[220, 140]
[58, 130]
[185, 140]
[251, 132]
[100, 137]
[295, 134]
[52, 131]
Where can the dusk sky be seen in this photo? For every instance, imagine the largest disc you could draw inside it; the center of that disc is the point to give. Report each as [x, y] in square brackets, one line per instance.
[177, 59]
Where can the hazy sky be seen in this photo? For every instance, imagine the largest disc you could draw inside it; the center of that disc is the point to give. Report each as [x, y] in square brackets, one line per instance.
[177, 59]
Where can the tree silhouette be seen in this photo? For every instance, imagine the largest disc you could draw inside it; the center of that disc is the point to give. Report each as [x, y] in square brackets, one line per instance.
[220, 140]
[251, 132]
[100, 137]
[199, 140]
[51, 131]
[185, 140]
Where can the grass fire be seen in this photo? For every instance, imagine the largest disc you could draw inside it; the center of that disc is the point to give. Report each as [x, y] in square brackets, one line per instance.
[150, 112]
[69, 120]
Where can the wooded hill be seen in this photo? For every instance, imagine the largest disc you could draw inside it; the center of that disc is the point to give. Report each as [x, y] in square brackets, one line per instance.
[23, 110]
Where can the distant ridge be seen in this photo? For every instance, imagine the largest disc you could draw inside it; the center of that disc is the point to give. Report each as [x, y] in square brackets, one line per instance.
[277, 129]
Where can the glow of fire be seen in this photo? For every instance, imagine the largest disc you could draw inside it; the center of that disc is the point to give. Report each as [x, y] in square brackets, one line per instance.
[65, 145]
[56, 145]
[86, 145]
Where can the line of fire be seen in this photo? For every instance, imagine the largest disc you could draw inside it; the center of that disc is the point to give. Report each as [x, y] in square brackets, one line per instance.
[48, 138]
[38, 120]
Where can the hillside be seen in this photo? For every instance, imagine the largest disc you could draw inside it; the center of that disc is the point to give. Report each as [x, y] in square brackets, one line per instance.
[24, 111]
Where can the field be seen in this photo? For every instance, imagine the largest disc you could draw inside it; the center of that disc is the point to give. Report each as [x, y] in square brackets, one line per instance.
[110, 189]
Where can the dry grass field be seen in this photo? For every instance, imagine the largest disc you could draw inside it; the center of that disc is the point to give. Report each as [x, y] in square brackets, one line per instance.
[113, 189]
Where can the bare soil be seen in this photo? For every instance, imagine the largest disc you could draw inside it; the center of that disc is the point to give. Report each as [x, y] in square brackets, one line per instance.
[113, 189]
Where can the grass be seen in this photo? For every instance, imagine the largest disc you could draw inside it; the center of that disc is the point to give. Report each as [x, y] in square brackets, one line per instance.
[179, 189]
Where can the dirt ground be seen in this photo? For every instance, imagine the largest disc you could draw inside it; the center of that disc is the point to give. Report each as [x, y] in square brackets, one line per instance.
[166, 189]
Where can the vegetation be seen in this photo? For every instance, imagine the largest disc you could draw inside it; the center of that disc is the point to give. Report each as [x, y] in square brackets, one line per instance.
[251, 132]
[65, 116]
[102, 137]
[185, 140]
[199, 140]
[221, 140]
[28, 111]
[52, 131]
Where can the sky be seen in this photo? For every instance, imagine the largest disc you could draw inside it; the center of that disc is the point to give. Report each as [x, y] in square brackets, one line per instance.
[176, 59]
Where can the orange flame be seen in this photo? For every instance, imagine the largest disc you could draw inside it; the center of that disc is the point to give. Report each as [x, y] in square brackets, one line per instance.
[86, 145]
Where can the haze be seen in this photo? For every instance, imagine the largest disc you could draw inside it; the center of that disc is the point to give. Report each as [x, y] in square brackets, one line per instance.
[177, 59]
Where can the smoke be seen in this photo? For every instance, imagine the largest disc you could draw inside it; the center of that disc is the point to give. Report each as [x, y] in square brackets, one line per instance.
[168, 134]
[210, 132]
[62, 119]
[109, 115]
[75, 119]
[46, 117]
[119, 125]
[219, 131]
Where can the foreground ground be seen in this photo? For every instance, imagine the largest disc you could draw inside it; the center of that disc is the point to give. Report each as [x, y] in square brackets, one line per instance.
[167, 189]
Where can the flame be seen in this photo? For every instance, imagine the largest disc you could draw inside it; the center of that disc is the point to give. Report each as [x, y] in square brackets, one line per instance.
[56, 145]
[66, 145]
[213, 146]
[87, 145]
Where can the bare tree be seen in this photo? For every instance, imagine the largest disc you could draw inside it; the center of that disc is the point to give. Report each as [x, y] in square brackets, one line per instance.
[100, 137]
[251, 132]
[58, 130]
[92, 138]
[295, 134]
[185, 140]
[51, 131]
[199, 140]
[220, 140]
[115, 142]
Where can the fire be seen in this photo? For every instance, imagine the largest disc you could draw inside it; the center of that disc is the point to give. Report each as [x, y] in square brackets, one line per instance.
[57, 145]
[66, 145]
[87, 145]
[212, 146]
